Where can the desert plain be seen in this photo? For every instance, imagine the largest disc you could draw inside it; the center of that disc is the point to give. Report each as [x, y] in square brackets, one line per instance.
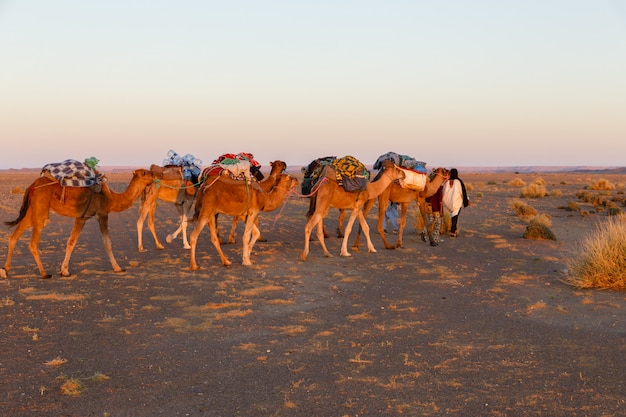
[481, 325]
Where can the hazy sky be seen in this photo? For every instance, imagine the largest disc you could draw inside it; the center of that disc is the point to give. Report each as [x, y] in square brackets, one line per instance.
[449, 82]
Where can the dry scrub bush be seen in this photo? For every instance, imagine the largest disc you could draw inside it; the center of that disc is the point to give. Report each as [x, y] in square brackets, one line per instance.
[556, 193]
[533, 191]
[539, 229]
[517, 182]
[469, 186]
[571, 206]
[522, 209]
[600, 260]
[602, 184]
[540, 181]
[584, 196]
[544, 219]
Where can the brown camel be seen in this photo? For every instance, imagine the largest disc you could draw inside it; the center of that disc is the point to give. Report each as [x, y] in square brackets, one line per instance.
[329, 193]
[171, 188]
[278, 167]
[403, 196]
[235, 198]
[81, 203]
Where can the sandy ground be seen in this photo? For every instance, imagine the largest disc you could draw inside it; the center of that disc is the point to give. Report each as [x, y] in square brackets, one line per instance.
[481, 325]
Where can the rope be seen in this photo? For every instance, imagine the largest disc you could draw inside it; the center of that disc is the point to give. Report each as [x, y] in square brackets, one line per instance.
[159, 183]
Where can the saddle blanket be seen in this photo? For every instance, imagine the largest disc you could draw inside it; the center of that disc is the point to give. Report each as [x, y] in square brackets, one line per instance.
[350, 173]
[238, 166]
[404, 161]
[72, 173]
[313, 171]
[413, 180]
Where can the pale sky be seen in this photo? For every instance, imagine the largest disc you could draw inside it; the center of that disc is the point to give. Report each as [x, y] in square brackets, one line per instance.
[448, 82]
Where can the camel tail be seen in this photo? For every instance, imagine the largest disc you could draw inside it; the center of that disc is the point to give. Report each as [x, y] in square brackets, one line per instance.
[312, 205]
[23, 209]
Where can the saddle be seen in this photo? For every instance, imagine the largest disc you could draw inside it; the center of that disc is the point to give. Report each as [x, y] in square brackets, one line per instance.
[351, 174]
[313, 172]
[73, 173]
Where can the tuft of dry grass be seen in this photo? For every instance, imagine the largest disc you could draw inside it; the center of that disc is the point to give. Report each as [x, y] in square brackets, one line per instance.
[600, 260]
[72, 387]
[544, 219]
[58, 361]
[602, 184]
[517, 182]
[538, 229]
[522, 209]
[534, 191]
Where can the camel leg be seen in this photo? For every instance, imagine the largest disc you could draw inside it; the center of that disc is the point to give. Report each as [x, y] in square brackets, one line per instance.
[382, 205]
[183, 226]
[71, 244]
[170, 238]
[233, 230]
[402, 223]
[340, 220]
[216, 240]
[193, 240]
[103, 222]
[153, 229]
[250, 236]
[366, 232]
[33, 246]
[315, 220]
[366, 209]
[348, 229]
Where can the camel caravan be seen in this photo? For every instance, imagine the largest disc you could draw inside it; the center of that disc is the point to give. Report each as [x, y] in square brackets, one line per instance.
[233, 185]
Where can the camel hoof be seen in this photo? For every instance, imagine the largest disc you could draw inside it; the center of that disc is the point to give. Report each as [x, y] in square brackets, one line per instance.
[261, 239]
[187, 247]
[119, 271]
[48, 276]
[160, 247]
[3, 273]
[142, 250]
[346, 255]
[169, 239]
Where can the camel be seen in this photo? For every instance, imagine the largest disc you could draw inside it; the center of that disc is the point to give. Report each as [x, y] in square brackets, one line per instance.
[235, 198]
[81, 203]
[171, 188]
[266, 184]
[403, 196]
[329, 193]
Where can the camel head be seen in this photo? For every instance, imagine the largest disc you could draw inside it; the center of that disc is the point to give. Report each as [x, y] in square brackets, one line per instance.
[287, 182]
[278, 166]
[146, 176]
[443, 172]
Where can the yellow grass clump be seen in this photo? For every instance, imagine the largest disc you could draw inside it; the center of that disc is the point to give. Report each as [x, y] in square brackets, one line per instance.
[534, 191]
[539, 228]
[522, 209]
[603, 184]
[517, 182]
[600, 261]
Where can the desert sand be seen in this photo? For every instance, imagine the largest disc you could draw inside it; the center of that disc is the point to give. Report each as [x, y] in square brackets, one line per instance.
[481, 325]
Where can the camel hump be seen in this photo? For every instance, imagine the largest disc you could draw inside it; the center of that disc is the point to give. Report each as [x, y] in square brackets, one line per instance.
[168, 172]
